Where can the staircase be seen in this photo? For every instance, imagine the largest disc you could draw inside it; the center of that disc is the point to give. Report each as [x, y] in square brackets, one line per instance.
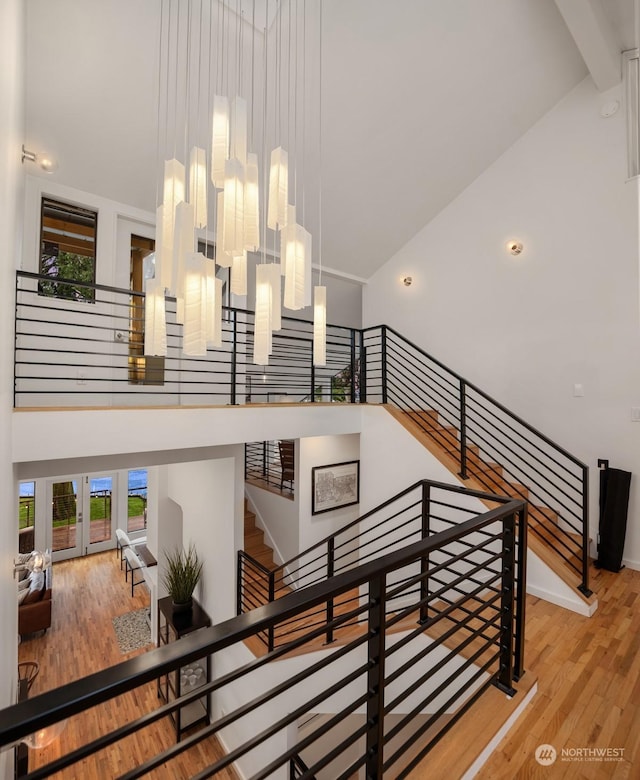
[254, 540]
[258, 594]
[545, 536]
[487, 445]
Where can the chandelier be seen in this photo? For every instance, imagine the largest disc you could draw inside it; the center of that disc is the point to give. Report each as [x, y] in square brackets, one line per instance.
[235, 97]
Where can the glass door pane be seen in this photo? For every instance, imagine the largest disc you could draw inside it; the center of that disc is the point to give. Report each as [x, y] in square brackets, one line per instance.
[99, 508]
[100, 494]
[137, 500]
[66, 518]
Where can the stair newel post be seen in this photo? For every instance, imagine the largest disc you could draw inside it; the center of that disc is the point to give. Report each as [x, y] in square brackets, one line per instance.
[375, 678]
[383, 351]
[504, 679]
[584, 586]
[234, 356]
[424, 561]
[272, 597]
[463, 429]
[521, 592]
[331, 546]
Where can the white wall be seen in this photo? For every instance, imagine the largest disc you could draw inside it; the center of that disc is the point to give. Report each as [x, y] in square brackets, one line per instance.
[209, 492]
[11, 184]
[290, 527]
[323, 451]
[128, 434]
[279, 518]
[564, 312]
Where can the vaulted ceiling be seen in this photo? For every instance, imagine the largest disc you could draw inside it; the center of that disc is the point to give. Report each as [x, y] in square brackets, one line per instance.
[419, 98]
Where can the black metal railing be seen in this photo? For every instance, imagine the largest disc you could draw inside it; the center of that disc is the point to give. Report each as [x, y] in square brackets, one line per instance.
[412, 670]
[500, 450]
[268, 465]
[298, 769]
[419, 512]
[67, 350]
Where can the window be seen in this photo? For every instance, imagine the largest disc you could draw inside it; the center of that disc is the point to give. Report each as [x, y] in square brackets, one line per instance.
[67, 251]
[26, 516]
[137, 500]
[143, 370]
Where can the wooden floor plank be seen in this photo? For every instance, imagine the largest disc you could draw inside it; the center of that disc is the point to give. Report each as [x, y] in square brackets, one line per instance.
[87, 593]
[588, 672]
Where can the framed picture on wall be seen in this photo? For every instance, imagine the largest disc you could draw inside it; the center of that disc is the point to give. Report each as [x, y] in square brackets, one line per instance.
[335, 486]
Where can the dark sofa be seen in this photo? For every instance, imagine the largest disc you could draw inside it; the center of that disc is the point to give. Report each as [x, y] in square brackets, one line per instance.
[34, 614]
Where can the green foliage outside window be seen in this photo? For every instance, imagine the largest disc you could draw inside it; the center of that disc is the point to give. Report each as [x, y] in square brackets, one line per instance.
[74, 269]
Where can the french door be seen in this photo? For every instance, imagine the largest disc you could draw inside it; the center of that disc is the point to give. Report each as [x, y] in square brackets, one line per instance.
[80, 515]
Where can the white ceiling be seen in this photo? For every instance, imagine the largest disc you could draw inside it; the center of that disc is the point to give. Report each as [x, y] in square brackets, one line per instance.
[419, 97]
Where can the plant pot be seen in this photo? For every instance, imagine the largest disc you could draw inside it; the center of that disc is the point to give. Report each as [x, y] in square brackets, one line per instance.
[184, 606]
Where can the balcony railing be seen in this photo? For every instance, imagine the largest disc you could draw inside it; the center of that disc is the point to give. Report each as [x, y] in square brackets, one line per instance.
[436, 618]
[423, 510]
[271, 465]
[91, 353]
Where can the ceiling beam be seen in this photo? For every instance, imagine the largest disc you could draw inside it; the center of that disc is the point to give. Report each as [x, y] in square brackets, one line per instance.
[595, 38]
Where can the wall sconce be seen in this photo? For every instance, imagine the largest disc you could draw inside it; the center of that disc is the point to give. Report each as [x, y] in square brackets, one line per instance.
[43, 159]
[407, 281]
[514, 247]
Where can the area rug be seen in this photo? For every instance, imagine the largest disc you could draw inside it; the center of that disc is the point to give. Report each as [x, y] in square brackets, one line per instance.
[132, 630]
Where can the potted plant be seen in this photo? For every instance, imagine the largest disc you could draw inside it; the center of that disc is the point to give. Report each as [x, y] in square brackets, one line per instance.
[181, 576]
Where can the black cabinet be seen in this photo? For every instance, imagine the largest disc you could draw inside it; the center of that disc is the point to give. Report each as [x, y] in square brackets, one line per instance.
[171, 627]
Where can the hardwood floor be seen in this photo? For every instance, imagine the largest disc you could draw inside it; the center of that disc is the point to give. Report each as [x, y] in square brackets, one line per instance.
[87, 593]
[588, 672]
[588, 687]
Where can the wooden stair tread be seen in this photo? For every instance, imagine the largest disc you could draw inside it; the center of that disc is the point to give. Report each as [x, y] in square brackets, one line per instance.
[483, 479]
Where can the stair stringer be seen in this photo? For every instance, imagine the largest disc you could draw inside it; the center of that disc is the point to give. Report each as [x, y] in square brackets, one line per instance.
[393, 448]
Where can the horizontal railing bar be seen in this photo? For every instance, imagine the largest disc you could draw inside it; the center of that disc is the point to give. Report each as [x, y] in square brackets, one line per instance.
[447, 393]
[253, 742]
[474, 424]
[25, 717]
[425, 398]
[448, 389]
[311, 738]
[429, 623]
[476, 389]
[256, 564]
[436, 716]
[73, 283]
[530, 479]
[504, 423]
[335, 752]
[433, 670]
[439, 485]
[444, 729]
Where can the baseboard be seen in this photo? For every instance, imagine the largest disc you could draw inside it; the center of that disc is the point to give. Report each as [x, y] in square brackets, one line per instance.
[635, 565]
[578, 606]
